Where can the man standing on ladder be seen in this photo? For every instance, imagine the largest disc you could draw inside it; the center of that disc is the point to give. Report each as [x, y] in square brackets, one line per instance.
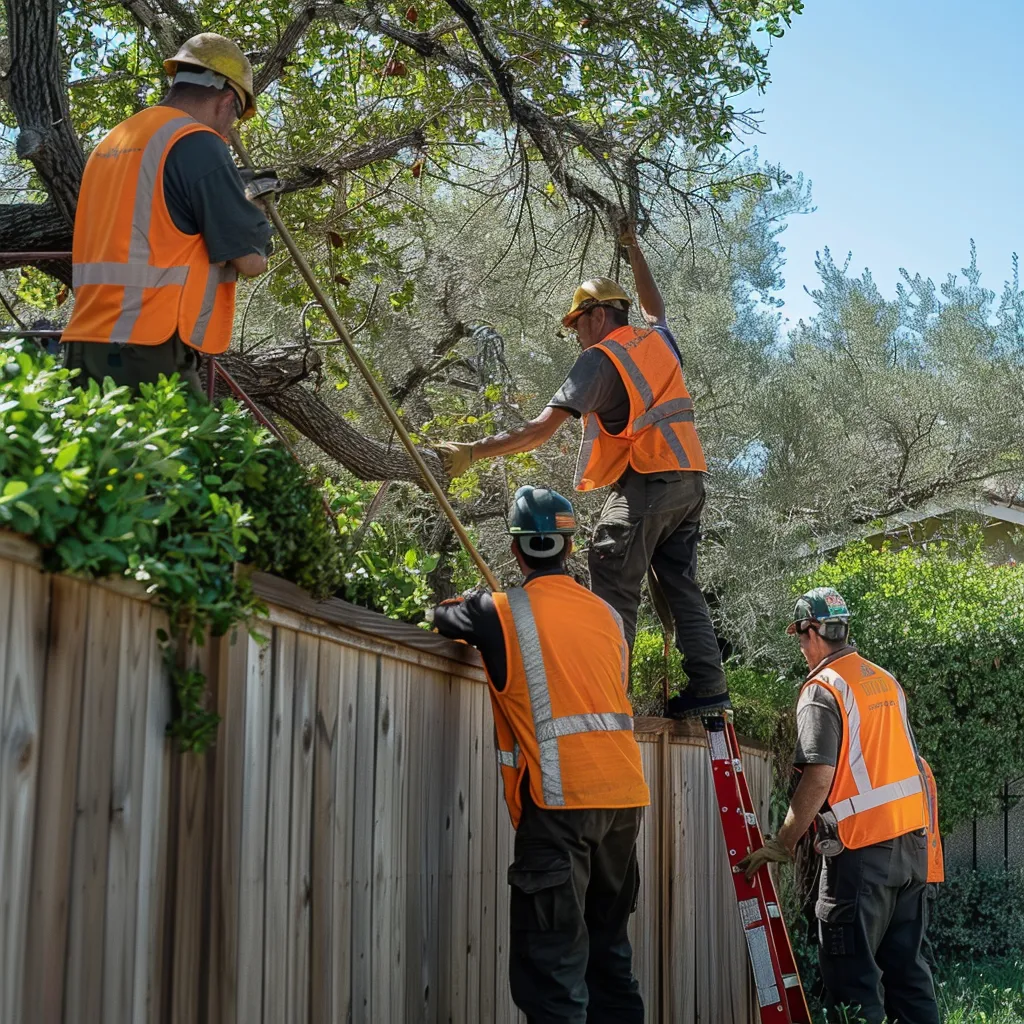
[163, 227]
[639, 438]
[862, 780]
[557, 665]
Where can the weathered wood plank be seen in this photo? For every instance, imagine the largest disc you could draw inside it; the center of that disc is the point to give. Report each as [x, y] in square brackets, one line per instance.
[126, 812]
[325, 807]
[84, 985]
[58, 780]
[401, 944]
[21, 712]
[384, 827]
[489, 856]
[459, 811]
[363, 903]
[275, 941]
[347, 797]
[283, 594]
[307, 655]
[253, 838]
[476, 696]
[191, 887]
[226, 812]
[153, 847]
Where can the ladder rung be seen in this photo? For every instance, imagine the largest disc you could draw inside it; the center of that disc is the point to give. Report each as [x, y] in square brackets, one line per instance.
[791, 980]
[773, 910]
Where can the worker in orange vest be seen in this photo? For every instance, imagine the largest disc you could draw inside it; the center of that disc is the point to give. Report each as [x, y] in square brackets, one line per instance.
[639, 439]
[557, 667]
[863, 784]
[164, 226]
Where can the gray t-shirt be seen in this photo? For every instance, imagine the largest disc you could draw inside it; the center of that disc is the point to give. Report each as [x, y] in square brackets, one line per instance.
[205, 196]
[594, 386]
[819, 727]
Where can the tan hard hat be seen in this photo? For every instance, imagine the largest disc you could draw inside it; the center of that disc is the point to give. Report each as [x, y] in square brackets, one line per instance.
[596, 291]
[221, 55]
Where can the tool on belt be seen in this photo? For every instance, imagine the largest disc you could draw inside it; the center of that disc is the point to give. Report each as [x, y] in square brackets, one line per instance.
[780, 994]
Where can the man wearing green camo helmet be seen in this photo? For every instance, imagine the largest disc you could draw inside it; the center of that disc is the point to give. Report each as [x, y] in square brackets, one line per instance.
[863, 788]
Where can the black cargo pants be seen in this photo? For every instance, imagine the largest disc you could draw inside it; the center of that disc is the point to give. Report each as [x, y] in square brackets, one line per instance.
[574, 883]
[653, 520]
[871, 921]
[132, 365]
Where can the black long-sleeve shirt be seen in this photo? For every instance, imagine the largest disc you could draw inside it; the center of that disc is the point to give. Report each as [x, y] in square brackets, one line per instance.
[475, 619]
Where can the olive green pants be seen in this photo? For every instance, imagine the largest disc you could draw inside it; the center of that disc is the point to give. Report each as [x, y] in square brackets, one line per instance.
[132, 365]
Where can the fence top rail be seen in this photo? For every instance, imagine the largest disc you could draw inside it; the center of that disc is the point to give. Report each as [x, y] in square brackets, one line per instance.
[688, 732]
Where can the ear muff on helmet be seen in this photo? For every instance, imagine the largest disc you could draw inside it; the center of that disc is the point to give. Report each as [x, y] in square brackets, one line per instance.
[833, 631]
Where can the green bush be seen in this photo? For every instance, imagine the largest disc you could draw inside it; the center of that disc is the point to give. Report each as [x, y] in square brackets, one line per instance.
[950, 627]
[172, 492]
[763, 701]
[976, 914]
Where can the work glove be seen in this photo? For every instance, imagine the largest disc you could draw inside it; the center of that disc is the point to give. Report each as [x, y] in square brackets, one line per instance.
[773, 852]
[259, 181]
[456, 457]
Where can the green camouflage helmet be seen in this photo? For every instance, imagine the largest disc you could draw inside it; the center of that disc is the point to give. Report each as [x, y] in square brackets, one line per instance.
[825, 606]
[540, 518]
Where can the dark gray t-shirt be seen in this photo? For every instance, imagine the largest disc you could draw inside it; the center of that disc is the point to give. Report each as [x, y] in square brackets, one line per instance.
[205, 196]
[594, 386]
[819, 727]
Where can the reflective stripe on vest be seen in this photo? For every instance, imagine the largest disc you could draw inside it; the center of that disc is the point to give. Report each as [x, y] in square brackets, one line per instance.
[137, 274]
[867, 797]
[509, 758]
[678, 410]
[546, 727]
[138, 268]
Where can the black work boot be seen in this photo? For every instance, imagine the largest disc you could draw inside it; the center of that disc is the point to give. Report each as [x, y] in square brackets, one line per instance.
[687, 705]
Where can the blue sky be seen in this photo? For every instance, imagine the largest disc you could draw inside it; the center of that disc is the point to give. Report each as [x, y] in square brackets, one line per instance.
[908, 117]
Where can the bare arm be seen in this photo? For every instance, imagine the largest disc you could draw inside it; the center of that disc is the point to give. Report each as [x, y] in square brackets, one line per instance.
[811, 793]
[525, 438]
[651, 302]
[251, 265]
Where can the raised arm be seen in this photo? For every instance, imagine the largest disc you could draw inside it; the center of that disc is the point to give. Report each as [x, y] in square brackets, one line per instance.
[652, 305]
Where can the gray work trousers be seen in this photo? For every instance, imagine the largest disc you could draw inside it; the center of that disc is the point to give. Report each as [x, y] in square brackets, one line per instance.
[871, 922]
[132, 365]
[653, 521]
[574, 884]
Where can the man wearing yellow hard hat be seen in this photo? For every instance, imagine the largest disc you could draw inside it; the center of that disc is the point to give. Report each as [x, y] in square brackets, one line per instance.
[638, 439]
[164, 227]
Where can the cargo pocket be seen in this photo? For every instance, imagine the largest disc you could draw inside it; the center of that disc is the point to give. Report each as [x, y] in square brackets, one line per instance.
[542, 893]
[612, 540]
[836, 932]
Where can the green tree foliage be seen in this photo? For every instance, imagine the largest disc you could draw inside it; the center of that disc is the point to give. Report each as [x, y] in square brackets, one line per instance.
[950, 627]
[171, 492]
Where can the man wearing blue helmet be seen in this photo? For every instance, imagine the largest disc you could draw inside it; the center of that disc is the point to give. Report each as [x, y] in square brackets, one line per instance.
[558, 668]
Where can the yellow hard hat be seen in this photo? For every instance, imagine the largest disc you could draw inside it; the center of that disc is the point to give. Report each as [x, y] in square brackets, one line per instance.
[224, 57]
[596, 291]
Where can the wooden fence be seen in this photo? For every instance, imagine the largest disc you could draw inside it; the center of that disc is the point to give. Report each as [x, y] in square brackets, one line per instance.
[340, 855]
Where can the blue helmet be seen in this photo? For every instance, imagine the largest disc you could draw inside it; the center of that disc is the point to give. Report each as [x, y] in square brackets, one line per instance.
[541, 518]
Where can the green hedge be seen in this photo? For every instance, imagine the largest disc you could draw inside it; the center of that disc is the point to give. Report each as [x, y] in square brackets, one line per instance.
[764, 701]
[977, 914]
[172, 492]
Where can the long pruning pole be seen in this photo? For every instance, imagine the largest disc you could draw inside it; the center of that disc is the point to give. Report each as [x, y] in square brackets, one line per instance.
[382, 400]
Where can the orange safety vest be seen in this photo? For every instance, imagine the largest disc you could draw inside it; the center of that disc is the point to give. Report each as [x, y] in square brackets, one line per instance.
[878, 789]
[660, 436]
[936, 864]
[137, 278]
[563, 718]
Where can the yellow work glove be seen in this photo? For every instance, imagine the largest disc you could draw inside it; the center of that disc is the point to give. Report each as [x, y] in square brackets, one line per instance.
[773, 852]
[627, 238]
[456, 456]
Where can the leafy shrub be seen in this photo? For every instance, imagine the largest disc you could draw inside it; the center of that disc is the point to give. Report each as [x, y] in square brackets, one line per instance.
[976, 914]
[950, 627]
[172, 492]
[763, 701]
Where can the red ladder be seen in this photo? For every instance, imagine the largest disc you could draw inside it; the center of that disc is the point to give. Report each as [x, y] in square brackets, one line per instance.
[780, 995]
